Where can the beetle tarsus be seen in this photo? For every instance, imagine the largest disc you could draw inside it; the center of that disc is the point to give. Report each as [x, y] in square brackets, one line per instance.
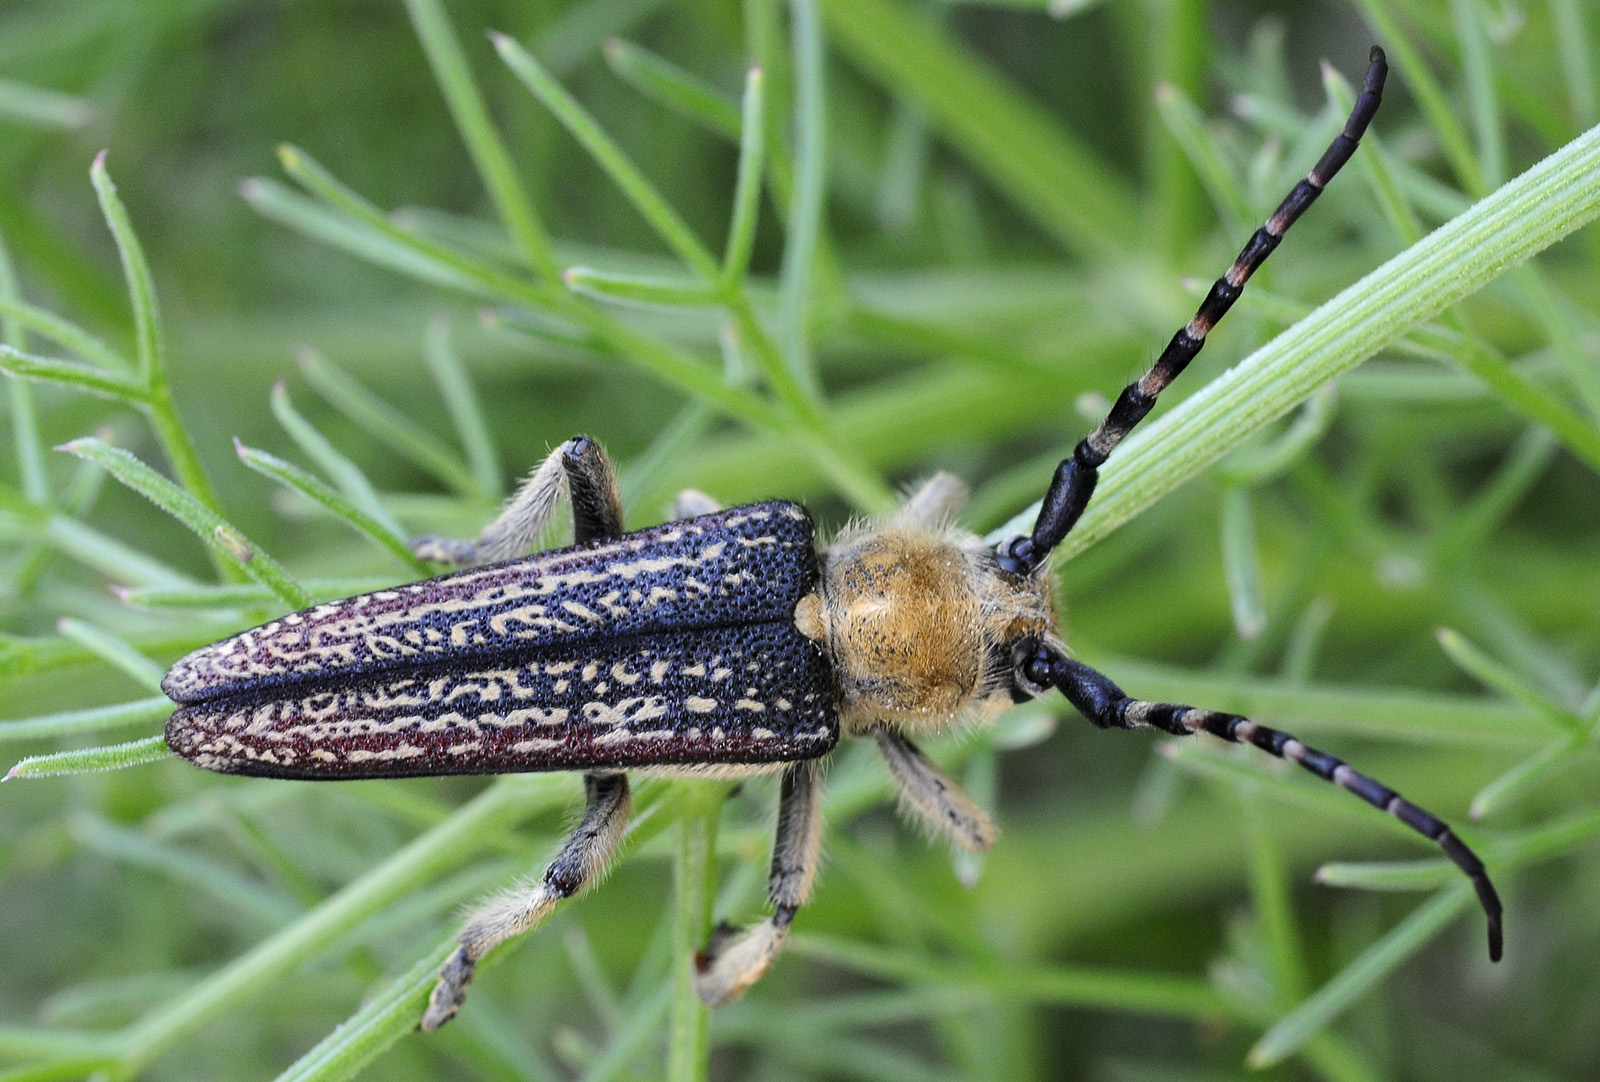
[450, 991]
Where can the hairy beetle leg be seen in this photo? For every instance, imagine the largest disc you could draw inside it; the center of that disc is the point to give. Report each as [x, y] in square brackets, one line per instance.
[934, 798]
[579, 862]
[579, 465]
[733, 960]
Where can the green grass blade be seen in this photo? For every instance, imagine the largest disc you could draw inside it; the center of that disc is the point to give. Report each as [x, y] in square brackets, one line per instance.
[217, 534]
[796, 274]
[642, 290]
[694, 878]
[389, 426]
[488, 152]
[1188, 128]
[1356, 980]
[1577, 60]
[1482, 99]
[1241, 563]
[355, 236]
[1077, 986]
[114, 651]
[649, 202]
[461, 402]
[1049, 174]
[382, 1022]
[1489, 672]
[678, 90]
[14, 326]
[40, 108]
[62, 332]
[151, 347]
[83, 543]
[94, 720]
[1412, 67]
[503, 804]
[747, 188]
[1521, 778]
[82, 377]
[1396, 875]
[319, 492]
[1257, 466]
[310, 174]
[346, 475]
[89, 760]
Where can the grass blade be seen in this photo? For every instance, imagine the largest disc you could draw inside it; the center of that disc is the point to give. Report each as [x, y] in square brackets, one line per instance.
[319, 492]
[82, 377]
[665, 82]
[347, 476]
[1050, 175]
[488, 152]
[218, 535]
[89, 760]
[114, 651]
[461, 402]
[649, 202]
[1408, 937]
[389, 426]
[93, 720]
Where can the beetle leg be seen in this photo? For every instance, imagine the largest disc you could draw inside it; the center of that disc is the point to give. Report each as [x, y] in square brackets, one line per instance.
[934, 503]
[936, 800]
[581, 466]
[577, 864]
[734, 959]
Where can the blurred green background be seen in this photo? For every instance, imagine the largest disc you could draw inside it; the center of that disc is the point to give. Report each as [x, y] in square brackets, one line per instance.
[1008, 207]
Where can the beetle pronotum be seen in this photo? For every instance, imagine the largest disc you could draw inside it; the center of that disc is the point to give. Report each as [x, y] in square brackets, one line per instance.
[726, 642]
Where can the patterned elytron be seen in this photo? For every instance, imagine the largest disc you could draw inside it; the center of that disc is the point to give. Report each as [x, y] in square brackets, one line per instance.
[659, 647]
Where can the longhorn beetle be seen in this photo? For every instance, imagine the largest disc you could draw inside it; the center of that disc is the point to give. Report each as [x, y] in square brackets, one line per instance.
[724, 643]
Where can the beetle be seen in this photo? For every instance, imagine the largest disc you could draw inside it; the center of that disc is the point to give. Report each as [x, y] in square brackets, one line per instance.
[723, 643]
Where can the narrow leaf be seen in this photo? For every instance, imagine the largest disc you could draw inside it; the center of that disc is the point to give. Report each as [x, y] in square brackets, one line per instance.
[346, 475]
[74, 374]
[42, 108]
[649, 202]
[112, 650]
[488, 151]
[93, 720]
[665, 82]
[640, 290]
[187, 509]
[1353, 983]
[461, 400]
[112, 757]
[388, 425]
[63, 333]
[318, 491]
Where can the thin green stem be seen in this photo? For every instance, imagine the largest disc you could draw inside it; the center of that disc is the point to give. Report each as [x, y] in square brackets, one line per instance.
[489, 154]
[694, 878]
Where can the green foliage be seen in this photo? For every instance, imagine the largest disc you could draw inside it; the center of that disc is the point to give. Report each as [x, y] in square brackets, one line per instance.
[814, 250]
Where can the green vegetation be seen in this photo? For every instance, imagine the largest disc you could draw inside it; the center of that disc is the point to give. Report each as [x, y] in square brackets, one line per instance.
[813, 249]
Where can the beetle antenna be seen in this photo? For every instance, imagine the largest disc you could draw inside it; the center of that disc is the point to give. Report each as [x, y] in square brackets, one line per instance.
[1076, 477]
[1105, 704]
